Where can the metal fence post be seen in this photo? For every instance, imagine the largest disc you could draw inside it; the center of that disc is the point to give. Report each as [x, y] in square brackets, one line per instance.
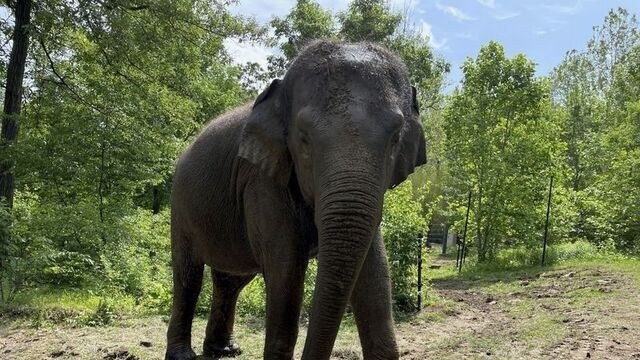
[420, 240]
[546, 224]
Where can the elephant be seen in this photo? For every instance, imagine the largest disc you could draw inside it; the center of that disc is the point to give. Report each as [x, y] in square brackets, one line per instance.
[299, 173]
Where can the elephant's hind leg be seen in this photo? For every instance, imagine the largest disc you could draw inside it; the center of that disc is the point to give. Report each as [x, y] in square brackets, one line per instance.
[219, 340]
[187, 282]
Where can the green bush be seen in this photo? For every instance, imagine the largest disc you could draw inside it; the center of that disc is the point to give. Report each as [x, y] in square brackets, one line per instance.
[251, 302]
[521, 256]
[104, 314]
[139, 263]
[67, 268]
[402, 226]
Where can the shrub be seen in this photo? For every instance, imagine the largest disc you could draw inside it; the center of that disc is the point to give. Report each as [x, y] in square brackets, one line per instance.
[251, 302]
[139, 263]
[402, 226]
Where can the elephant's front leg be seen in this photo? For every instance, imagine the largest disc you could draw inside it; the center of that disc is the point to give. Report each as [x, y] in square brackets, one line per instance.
[285, 283]
[371, 303]
[274, 233]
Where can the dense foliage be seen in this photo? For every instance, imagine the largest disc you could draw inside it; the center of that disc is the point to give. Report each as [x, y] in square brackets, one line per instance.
[403, 227]
[501, 146]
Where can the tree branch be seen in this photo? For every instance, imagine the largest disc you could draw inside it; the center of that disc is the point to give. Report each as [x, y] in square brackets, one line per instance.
[61, 79]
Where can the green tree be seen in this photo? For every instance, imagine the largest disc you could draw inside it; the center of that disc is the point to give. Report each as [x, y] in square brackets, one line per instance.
[591, 96]
[13, 90]
[368, 20]
[618, 186]
[307, 21]
[501, 145]
[117, 90]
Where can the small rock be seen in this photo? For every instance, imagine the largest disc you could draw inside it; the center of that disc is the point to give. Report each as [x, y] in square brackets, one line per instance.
[56, 354]
[588, 355]
[145, 343]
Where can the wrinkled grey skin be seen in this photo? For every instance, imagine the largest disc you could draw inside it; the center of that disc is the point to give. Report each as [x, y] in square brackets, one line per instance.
[300, 173]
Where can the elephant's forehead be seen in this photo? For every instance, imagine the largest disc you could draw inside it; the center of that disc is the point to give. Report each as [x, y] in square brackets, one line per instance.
[355, 54]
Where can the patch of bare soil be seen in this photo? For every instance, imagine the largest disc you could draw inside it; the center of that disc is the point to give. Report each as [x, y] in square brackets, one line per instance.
[564, 314]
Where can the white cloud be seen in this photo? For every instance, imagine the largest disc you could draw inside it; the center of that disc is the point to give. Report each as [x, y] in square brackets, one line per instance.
[333, 5]
[265, 10]
[262, 10]
[243, 52]
[506, 15]
[563, 9]
[464, 36]
[427, 30]
[454, 11]
[543, 32]
[402, 4]
[488, 3]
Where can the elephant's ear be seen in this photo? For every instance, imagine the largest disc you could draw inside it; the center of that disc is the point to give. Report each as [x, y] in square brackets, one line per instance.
[412, 150]
[263, 141]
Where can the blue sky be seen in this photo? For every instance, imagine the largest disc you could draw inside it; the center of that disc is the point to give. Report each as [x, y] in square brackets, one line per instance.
[543, 30]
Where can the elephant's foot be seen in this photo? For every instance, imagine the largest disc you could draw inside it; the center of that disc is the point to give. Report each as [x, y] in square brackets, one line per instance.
[222, 349]
[180, 352]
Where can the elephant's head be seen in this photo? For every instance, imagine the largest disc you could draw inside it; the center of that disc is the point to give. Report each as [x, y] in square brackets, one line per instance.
[344, 124]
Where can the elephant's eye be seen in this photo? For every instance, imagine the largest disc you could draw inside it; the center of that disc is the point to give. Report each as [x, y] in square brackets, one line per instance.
[304, 139]
[304, 142]
[395, 139]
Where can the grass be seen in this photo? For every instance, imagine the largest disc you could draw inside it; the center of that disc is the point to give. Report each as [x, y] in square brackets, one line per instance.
[586, 304]
[47, 307]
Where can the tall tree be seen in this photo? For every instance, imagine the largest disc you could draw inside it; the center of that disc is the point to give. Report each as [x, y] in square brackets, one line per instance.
[500, 145]
[306, 21]
[117, 89]
[10, 127]
[610, 45]
[369, 20]
[589, 107]
[616, 189]
[13, 96]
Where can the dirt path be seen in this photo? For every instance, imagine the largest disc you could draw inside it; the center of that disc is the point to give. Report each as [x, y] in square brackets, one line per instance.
[580, 312]
[563, 314]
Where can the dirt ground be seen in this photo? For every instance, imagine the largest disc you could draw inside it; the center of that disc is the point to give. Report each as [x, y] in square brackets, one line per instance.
[568, 312]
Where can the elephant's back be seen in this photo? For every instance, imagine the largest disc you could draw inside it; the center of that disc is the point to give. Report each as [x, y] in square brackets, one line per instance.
[203, 197]
[210, 158]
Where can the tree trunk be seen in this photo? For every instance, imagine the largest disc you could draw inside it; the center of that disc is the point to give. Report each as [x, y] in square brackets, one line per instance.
[157, 199]
[13, 96]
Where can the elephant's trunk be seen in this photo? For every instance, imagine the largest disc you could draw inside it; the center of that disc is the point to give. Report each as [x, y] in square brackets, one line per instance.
[348, 211]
